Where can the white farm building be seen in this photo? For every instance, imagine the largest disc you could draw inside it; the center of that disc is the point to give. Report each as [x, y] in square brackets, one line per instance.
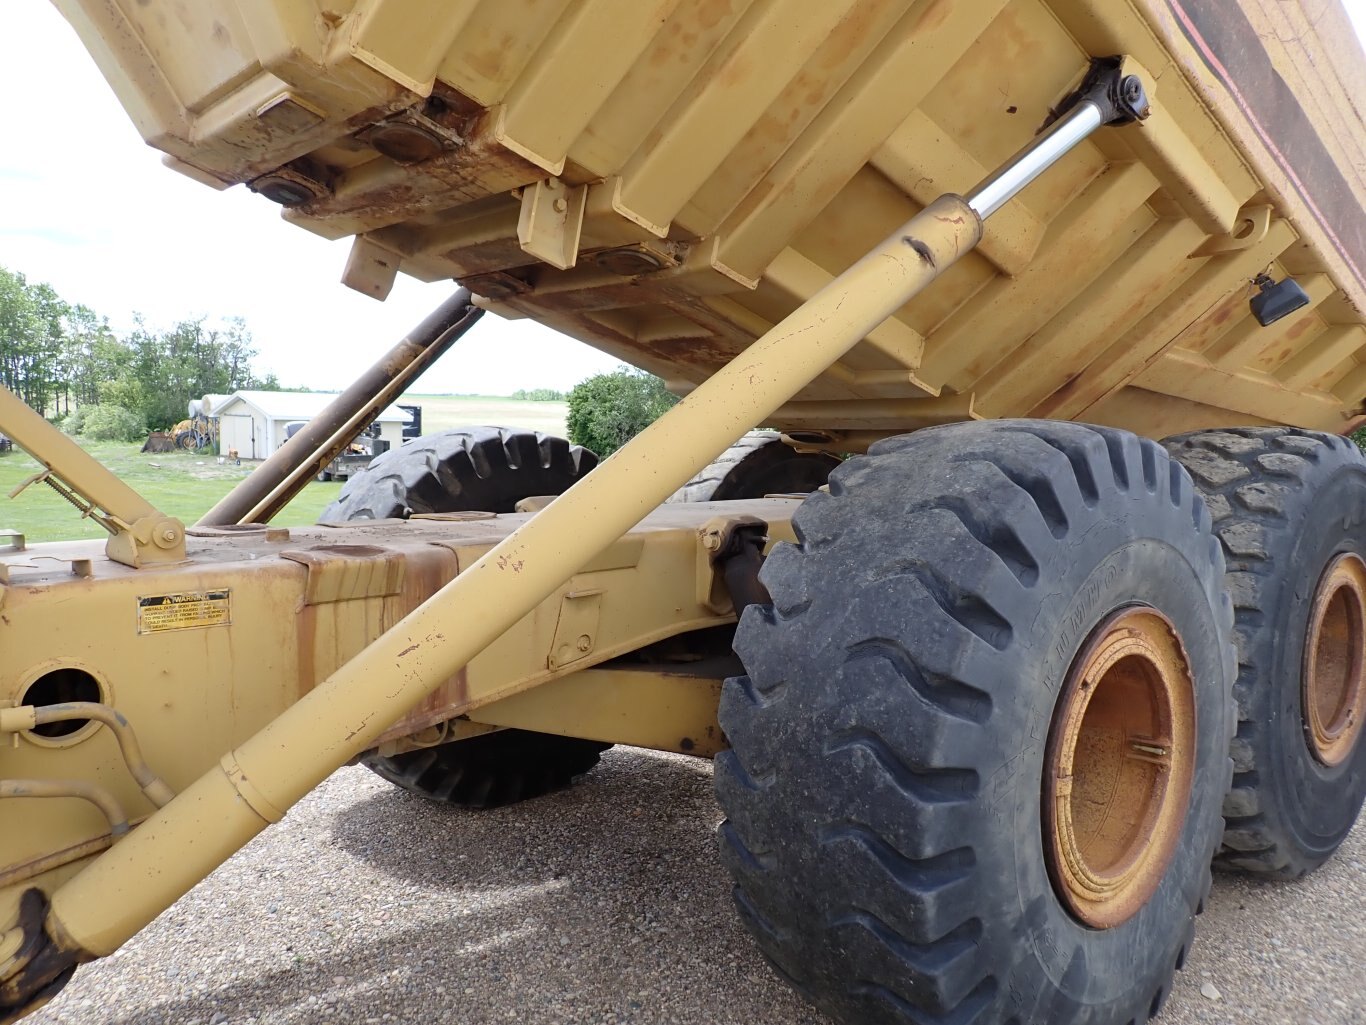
[253, 422]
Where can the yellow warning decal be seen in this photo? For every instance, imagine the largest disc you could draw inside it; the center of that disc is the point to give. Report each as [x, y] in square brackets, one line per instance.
[160, 612]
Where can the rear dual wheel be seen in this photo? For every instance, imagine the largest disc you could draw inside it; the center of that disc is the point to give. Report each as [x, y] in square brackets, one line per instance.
[978, 760]
[759, 464]
[1289, 507]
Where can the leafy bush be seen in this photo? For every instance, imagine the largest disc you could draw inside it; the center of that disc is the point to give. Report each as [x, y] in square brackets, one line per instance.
[74, 422]
[113, 423]
[608, 410]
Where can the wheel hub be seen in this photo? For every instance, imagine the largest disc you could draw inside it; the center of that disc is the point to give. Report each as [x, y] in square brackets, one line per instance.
[1334, 684]
[1118, 767]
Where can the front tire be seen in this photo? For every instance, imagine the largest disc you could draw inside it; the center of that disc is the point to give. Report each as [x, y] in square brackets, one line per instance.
[492, 770]
[896, 781]
[489, 469]
[1290, 509]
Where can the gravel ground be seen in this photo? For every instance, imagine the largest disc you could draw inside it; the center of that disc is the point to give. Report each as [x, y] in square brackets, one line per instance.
[602, 904]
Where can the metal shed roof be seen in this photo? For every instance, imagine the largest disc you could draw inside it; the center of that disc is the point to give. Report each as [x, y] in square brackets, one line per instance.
[295, 405]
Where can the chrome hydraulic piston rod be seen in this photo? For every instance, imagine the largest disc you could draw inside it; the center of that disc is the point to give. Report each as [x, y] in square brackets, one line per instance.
[1106, 96]
[253, 785]
[1058, 139]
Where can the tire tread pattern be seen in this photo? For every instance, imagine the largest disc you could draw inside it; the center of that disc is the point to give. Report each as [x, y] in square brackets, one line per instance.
[751, 460]
[484, 468]
[492, 770]
[488, 469]
[1257, 483]
[917, 973]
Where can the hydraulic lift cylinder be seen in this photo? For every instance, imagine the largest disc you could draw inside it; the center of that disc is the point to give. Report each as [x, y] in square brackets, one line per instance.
[269, 487]
[176, 847]
[129, 885]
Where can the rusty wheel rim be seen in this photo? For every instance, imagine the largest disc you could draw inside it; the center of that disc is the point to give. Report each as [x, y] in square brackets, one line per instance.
[1118, 767]
[1333, 691]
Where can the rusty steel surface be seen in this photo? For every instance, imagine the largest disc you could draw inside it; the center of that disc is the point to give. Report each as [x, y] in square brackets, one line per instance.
[1334, 680]
[36, 969]
[298, 603]
[1119, 766]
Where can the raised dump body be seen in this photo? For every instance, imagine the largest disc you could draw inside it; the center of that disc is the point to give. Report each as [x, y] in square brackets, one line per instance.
[985, 708]
[666, 179]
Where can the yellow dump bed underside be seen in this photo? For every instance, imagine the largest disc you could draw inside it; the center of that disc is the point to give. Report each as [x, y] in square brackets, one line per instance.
[665, 179]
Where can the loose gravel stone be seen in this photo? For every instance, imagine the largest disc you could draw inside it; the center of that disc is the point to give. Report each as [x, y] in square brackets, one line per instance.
[605, 903]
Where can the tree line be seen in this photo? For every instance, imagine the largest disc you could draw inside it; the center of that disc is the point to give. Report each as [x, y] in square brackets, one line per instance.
[539, 395]
[57, 355]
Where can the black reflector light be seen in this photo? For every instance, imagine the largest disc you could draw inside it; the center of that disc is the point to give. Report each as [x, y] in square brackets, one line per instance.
[1276, 299]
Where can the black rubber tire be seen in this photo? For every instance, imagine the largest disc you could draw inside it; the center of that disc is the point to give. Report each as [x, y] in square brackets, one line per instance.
[475, 468]
[1285, 503]
[758, 464]
[492, 770]
[884, 783]
[489, 469]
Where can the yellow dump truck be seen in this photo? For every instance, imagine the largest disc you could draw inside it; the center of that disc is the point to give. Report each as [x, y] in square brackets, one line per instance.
[1044, 589]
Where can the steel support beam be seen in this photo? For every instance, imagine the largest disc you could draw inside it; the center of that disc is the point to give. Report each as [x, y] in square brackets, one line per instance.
[139, 534]
[269, 488]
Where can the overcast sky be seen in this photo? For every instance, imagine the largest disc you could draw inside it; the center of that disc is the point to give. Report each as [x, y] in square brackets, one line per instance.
[87, 207]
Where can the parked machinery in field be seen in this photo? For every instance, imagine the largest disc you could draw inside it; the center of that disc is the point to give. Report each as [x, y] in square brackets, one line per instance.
[1080, 608]
[197, 432]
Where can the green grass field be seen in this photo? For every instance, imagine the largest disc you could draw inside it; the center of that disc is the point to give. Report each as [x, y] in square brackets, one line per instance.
[187, 485]
[440, 412]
